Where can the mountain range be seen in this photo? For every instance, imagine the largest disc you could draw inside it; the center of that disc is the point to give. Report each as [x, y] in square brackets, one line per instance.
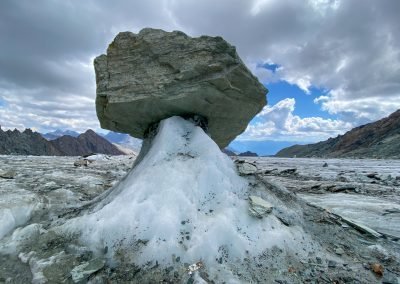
[58, 133]
[380, 139]
[14, 142]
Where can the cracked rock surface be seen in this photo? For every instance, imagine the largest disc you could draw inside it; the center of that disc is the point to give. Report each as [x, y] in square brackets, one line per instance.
[153, 75]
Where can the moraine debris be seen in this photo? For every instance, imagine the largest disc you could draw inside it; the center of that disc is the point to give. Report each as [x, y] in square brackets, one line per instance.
[259, 207]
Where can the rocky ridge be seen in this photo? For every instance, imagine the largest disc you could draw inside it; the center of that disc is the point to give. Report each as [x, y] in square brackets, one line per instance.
[13, 142]
[88, 142]
[380, 139]
[32, 143]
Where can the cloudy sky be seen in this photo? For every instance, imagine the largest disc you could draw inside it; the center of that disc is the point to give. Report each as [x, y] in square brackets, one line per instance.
[330, 65]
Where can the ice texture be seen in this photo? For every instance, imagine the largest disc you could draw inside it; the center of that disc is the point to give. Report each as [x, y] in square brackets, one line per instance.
[368, 210]
[15, 209]
[183, 200]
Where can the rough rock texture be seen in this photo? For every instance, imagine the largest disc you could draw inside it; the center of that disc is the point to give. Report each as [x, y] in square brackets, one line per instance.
[150, 76]
[259, 207]
[380, 139]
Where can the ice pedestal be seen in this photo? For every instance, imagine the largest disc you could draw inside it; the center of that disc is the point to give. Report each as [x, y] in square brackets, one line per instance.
[184, 202]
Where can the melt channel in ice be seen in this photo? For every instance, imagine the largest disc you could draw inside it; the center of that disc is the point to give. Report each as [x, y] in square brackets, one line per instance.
[184, 199]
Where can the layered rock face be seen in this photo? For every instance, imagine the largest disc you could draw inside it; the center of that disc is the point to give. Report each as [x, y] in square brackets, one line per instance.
[153, 75]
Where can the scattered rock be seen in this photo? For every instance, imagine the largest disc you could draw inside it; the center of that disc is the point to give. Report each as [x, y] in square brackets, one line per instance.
[246, 168]
[377, 268]
[81, 163]
[259, 207]
[339, 251]
[332, 264]
[8, 174]
[346, 187]
[288, 171]
[153, 75]
[361, 227]
[84, 270]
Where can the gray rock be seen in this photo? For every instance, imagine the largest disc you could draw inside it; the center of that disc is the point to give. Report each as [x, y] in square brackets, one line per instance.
[153, 75]
[81, 162]
[259, 207]
[7, 174]
[84, 270]
[360, 227]
[245, 168]
[339, 251]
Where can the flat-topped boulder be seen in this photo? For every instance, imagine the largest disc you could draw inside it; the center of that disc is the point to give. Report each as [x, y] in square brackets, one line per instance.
[153, 75]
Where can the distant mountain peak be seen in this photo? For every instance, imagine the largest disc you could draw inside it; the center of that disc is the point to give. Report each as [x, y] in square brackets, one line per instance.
[29, 142]
[380, 139]
[58, 133]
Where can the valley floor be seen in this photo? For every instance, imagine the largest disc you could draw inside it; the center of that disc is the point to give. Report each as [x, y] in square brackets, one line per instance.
[358, 200]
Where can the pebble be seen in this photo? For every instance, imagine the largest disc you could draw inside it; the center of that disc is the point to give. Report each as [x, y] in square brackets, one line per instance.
[332, 264]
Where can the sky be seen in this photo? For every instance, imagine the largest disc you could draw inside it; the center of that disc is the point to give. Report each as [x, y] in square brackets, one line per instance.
[329, 65]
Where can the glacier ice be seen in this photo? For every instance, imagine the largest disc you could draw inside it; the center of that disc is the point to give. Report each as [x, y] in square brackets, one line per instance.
[184, 201]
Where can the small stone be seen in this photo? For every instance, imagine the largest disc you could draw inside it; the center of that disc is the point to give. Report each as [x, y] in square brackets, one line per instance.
[84, 270]
[339, 251]
[332, 264]
[325, 165]
[259, 207]
[377, 268]
[7, 174]
[81, 163]
[246, 168]
[288, 171]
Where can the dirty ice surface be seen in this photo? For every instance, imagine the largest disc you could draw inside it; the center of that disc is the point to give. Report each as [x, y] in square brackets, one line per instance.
[186, 200]
[367, 191]
[378, 213]
[41, 188]
[40, 194]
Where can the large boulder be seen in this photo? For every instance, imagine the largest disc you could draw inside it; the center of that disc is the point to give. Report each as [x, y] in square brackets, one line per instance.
[153, 75]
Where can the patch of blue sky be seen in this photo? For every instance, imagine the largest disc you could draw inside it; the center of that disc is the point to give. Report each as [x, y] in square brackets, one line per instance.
[305, 106]
[2, 103]
[270, 66]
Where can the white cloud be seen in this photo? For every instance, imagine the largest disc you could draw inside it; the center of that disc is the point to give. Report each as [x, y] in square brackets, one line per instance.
[350, 48]
[278, 123]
